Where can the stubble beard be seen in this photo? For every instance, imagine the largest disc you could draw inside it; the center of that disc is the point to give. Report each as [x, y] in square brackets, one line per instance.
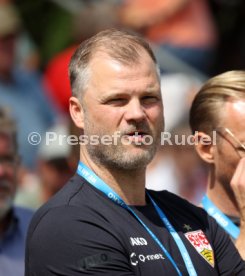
[119, 156]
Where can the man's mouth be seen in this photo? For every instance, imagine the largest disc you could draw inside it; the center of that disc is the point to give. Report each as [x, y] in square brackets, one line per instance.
[137, 133]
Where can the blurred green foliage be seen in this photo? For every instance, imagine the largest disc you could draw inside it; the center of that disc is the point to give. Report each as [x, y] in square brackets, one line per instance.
[49, 26]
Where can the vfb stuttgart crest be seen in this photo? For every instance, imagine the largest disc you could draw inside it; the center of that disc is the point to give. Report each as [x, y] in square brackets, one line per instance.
[202, 245]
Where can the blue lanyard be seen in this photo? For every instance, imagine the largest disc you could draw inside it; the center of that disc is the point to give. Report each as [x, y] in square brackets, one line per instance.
[98, 183]
[176, 237]
[221, 218]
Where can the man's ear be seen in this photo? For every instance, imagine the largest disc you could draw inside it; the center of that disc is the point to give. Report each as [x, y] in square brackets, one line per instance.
[77, 112]
[204, 145]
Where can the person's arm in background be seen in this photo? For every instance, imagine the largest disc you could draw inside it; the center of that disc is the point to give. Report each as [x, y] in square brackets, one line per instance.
[141, 14]
[238, 186]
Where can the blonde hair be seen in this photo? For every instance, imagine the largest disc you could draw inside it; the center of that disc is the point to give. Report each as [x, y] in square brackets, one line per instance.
[206, 109]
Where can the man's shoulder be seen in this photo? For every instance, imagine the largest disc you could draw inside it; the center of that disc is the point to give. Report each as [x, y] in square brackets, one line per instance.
[63, 197]
[73, 202]
[77, 212]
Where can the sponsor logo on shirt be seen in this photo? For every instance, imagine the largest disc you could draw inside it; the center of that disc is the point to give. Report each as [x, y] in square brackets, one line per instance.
[202, 245]
[138, 241]
[135, 259]
[93, 261]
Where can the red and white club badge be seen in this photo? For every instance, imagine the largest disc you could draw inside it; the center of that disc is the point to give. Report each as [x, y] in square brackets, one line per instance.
[202, 245]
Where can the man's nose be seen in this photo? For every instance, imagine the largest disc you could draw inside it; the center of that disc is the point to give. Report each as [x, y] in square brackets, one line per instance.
[135, 111]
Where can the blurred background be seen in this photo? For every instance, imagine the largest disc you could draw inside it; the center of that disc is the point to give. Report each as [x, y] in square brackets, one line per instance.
[192, 39]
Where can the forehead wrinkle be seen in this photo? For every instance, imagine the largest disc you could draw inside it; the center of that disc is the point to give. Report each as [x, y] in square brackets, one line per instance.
[120, 75]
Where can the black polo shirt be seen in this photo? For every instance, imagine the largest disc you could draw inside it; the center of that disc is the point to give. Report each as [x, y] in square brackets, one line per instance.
[82, 232]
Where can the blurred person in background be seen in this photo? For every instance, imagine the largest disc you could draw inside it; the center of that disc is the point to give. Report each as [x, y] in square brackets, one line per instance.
[13, 220]
[184, 28]
[21, 91]
[218, 110]
[53, 162]
[26, 55]
[53, 169]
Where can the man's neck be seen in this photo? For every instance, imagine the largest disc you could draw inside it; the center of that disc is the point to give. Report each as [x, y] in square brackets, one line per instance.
[222, 199]
[128, 184]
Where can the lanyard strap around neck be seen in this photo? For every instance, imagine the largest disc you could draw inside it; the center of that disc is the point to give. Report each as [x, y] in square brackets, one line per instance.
[98, 183]
[220, 217]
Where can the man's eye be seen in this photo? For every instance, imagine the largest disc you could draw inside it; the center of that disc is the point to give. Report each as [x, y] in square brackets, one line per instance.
[150, 99]
[116, 101]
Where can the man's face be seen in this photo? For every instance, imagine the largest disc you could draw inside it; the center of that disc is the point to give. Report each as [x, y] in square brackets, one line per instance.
[7, 173]
[228, 151]
[124, 99]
